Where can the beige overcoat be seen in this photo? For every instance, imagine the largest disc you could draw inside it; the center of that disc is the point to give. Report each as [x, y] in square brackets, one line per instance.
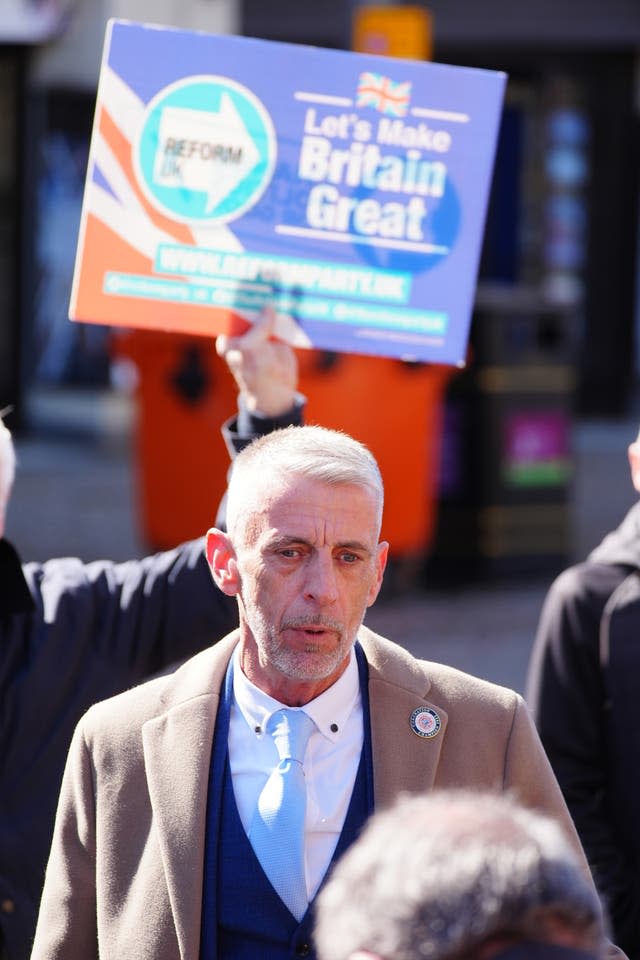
[124, 878]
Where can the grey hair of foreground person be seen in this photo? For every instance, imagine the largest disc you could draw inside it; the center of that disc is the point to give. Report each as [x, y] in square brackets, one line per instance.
[441, 876]
[328, 456]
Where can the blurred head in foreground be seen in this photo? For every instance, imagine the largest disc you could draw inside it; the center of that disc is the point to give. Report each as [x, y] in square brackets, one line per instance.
[458, 875]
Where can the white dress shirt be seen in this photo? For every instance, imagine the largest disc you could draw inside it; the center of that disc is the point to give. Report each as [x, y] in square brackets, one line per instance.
[330, 761]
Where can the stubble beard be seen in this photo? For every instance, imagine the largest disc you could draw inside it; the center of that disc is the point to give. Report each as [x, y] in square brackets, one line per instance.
[314, 663]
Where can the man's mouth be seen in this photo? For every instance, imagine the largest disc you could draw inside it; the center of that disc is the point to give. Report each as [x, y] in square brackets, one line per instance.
[314, 632]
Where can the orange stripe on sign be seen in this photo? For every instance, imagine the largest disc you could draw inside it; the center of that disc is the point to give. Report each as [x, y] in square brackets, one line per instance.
[123, 151]
[103, 251]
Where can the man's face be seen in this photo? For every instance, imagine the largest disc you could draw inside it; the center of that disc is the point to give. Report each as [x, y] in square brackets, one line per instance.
[309, 565]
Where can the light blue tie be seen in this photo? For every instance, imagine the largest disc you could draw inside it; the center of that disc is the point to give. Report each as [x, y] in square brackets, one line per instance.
[277, 829]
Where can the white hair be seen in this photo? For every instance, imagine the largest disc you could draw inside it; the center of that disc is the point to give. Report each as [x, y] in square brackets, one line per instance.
[329, 456]
[437, 876]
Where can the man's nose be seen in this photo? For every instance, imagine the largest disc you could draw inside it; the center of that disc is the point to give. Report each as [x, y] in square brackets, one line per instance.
[321, 584]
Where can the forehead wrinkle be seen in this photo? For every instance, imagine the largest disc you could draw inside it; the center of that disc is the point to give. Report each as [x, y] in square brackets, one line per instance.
[312, 531]
[273, 539]
[254, 519]
[248, 525]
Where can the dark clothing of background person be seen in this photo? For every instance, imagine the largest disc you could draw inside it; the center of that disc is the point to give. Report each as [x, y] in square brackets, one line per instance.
[584, 690]
[71, 634]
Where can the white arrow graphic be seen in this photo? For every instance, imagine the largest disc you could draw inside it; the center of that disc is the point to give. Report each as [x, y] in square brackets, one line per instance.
[205, 151]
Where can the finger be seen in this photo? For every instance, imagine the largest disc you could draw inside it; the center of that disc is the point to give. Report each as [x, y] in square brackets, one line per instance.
[259, 331]
[268, 319]
[223, 344]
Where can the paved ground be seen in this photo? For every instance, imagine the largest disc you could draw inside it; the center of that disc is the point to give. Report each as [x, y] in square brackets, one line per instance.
[75, 494]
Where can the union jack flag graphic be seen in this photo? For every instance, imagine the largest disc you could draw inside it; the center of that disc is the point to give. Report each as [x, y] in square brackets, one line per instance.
[383, 94]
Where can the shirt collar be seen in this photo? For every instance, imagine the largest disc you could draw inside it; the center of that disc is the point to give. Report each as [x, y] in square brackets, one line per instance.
[330, 711]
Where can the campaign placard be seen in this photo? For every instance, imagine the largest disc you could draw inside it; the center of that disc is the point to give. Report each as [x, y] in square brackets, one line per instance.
[348, 191]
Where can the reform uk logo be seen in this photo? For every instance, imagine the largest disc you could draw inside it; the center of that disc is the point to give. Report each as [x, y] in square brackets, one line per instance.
[206, 150]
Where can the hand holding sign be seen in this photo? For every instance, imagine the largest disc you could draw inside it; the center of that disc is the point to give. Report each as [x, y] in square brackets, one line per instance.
[265, 369]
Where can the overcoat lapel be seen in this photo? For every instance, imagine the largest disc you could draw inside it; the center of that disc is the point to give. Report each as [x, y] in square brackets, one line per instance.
[177, 754]
[403, 760]
[177, 751]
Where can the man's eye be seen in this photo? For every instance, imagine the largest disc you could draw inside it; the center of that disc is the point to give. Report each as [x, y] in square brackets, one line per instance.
[348, 557]
[290, 553]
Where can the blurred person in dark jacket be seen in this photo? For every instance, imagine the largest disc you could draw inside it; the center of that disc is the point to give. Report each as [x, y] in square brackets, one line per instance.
[584, 688]
[73, 633]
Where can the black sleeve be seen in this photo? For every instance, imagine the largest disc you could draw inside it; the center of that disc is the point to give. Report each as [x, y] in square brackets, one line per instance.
[15, 597]
[566, 694]
[241, 430]
[139, 616]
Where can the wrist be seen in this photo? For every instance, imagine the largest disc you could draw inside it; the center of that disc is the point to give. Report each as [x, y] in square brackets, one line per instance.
[255, 422]
[275, 403]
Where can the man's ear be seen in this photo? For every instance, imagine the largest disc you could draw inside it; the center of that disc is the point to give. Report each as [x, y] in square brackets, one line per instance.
[222, 562]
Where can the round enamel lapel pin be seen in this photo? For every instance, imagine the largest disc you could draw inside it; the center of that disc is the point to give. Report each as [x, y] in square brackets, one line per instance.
[425, 722]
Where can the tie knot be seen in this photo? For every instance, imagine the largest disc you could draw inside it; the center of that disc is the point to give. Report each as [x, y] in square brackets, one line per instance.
[291, 730]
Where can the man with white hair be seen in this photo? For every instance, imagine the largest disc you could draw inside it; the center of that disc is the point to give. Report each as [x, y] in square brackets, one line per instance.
[73, 633]
[200, 813]
[583, 689]
[459, 875]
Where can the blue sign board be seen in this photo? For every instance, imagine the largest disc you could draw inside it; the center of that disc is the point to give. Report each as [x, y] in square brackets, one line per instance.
[347, 190]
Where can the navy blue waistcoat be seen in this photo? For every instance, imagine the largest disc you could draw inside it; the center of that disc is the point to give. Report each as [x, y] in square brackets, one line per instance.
[242, 915]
